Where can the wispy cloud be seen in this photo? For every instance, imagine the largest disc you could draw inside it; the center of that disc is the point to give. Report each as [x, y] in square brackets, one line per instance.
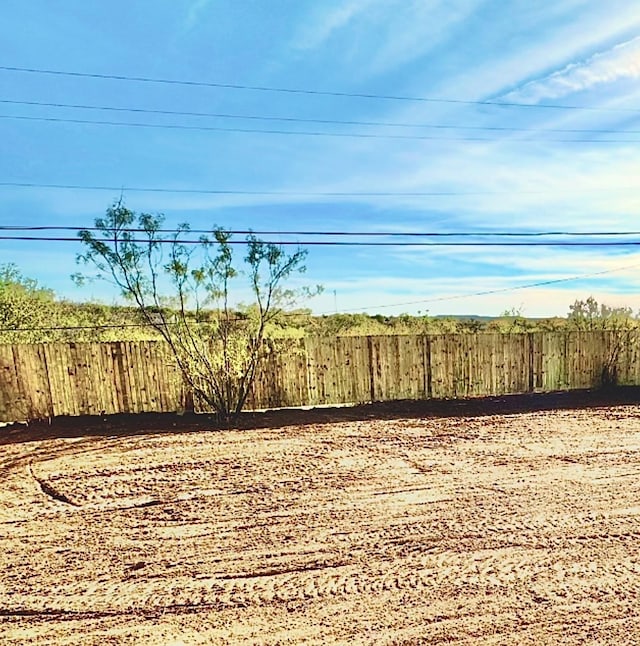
[615, 64]
[193, 14]
[415, 28]
[380, 35]
[323, 25]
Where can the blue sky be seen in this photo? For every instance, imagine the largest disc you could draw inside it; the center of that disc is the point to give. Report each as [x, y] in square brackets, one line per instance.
[575, 53]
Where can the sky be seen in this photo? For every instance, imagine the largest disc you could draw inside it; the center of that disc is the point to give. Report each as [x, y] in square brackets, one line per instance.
[427, 148]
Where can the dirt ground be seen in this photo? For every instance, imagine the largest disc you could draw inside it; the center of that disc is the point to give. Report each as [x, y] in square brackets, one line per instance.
[513, 521]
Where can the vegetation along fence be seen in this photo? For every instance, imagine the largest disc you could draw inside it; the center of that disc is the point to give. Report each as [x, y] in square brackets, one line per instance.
[48, 380]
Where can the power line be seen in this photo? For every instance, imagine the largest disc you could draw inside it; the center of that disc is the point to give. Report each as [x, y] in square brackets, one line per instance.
[108, 326]
[488, 292]
[302, 133]
[335, 243]
[343, 122]
[206, 191]
[392, 234]
[75, 327]
[287, 90]
[297, 314]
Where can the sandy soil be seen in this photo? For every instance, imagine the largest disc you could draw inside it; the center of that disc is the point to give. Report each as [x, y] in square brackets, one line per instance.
[491, 529]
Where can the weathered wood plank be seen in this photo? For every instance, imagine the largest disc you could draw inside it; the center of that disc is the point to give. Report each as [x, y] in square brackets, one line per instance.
[105, 378]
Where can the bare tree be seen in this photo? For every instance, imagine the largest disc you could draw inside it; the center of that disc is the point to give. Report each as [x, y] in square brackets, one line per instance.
[216, 349]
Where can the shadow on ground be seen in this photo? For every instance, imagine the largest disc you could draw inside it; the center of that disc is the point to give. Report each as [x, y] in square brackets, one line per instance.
[150, 423]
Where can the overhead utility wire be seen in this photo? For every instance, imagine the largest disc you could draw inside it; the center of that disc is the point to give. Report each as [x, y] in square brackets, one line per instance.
[302, 133]
[205, 191]
[341, 122]
[429, 300]
[75, 327]
[515, 234]
[264, 88]
[542, 283]
[334, 243]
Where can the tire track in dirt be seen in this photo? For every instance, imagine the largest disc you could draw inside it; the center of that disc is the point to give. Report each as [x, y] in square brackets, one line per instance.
[19, 477]
[517, 628]
[51, 491]
[326, 519]
[544, 576]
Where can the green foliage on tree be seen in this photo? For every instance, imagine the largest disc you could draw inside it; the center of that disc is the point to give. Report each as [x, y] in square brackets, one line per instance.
[591, 315]
[31, 313]
[618, 322]
[24, 304]
[184, 292]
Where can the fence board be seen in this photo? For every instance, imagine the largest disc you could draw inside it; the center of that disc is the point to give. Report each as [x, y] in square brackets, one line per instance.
[33, 380]
[319, 360]
[46, 380]
[438, 360]
[537, 361]
[60, 356]
[281, 380]
[434, 360]
[109, 392]
[623, 348]
[398, 368]
[554, 348]
[10, 392]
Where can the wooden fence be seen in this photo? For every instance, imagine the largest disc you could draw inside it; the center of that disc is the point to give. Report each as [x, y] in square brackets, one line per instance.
[48, 380]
